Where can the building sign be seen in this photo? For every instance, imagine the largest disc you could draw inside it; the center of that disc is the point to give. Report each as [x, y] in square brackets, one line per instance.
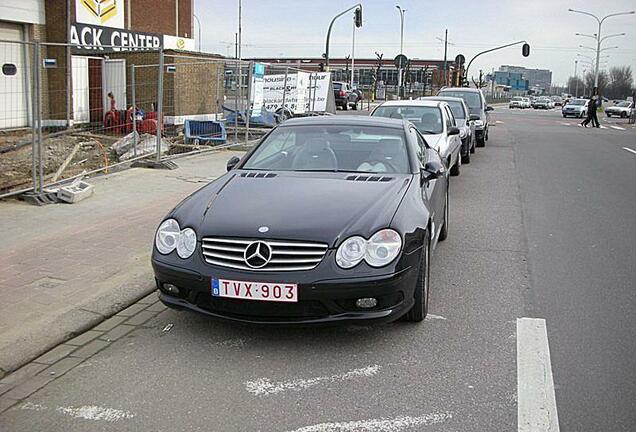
[100, 12]
[256, 93]
[178, 43]
[314, 97]
[98, 38]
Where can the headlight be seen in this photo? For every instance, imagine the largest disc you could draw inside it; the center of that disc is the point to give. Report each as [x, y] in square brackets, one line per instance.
[186, 243]
[479, 123]
[351, 252]
[382, 248]
[170, 237]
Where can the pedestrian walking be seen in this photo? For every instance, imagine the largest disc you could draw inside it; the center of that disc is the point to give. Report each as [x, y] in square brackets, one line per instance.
[595, 104]
[591, 107]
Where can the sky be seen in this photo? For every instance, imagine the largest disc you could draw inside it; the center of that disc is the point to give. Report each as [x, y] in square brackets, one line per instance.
[297, 28]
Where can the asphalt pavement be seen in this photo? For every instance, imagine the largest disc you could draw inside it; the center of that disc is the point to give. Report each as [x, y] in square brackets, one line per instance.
[541, 227]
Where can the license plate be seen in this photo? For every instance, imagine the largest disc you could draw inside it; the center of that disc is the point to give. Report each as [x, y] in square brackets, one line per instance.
[263, 291]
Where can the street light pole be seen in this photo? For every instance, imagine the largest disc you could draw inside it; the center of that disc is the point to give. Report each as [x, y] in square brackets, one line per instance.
[359, 5]
[199, 29]
[599, 39]
[401, 47]
[576, 79]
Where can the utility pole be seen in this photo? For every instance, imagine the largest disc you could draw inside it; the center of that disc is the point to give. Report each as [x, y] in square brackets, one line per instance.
[353, 49]
[576, 79]
[599, 39]
[401, 47]
[445, 53]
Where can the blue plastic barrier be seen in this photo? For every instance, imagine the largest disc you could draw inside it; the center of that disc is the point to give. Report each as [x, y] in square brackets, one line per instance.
[205, 132]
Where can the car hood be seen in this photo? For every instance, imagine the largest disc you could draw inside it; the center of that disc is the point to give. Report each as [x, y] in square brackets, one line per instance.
[320, 207]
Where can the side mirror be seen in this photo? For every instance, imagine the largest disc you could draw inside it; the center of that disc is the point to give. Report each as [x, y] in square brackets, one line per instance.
[473, 117]
[453, 131]
[489, 108]
[432, 170]
[234, 160]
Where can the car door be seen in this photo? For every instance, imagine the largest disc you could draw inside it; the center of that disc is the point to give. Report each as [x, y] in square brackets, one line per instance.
[433, 192]
[454, 140]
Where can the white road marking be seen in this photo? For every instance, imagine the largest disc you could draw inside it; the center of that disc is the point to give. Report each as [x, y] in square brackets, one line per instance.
[264, 386]
[86, 412]
[498, 121]
[565, 124]
[603, 127]
[629, 150]
[434, 317]
[396, 424]
[617, 127]
[536, 408]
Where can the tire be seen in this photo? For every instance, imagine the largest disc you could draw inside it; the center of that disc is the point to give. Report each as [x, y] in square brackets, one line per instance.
[486, 136]
[472, 149]
[564, 116]
[345, 106]
[623, 115]
[355, 106]
[609, 115]
[481, 142]
[420, 305]
[455, 169]
[466, 159]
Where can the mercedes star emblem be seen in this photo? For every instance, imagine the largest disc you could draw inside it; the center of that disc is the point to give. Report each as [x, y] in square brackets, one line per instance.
[257, 254]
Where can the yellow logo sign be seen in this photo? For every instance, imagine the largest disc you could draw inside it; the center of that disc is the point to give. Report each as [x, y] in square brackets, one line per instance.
[103, 10]
[180, 43]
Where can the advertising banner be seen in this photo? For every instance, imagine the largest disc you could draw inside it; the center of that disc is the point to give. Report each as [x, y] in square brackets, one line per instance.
[314, 92]
[257, 89]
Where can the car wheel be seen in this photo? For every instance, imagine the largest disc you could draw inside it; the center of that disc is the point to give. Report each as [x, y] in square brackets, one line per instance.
[623, 115]
[564, 116]
[466, 158]
[481, 142]
[345, 106]
[608, 115]
[355, 106]
[472, 149]
[443, 234]
[486, 136]
[420, 305]
[454, 171]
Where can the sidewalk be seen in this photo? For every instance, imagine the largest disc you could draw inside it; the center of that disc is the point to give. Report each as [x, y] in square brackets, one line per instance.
[65, 268]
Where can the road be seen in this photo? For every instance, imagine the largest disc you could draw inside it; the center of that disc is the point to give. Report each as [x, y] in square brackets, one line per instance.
[542, 226]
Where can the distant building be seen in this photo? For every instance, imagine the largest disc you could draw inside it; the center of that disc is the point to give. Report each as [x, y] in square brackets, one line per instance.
[541, 78]
[512, 81]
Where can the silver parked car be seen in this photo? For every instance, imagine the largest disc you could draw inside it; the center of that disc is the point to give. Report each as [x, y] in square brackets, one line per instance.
[434, 120]
[465, 122]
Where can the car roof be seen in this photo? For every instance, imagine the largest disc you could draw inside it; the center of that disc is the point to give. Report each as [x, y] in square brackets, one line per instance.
[464, 89]
[443, 98]
[349, 120]
[413, 102]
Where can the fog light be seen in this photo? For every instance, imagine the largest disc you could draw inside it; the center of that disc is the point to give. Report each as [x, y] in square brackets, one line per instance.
[171, 289]
[366, 303]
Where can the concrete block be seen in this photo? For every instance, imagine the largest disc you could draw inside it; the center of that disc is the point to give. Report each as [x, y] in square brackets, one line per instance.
[60, 368]
[28, 387]
[117, 332]
[84, 338]
[75, 192]
[110, 323]
[140, 318]
[90, 349]
[56, 354]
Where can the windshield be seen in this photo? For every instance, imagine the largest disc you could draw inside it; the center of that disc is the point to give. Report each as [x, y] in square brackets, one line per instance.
[517, 99]
[458, 109]
[360, 149]
[624, 104]
[472, 99]
[577, 102]
[427, 119]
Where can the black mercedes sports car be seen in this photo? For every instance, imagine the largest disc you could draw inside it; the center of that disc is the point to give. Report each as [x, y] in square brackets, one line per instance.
[327, 219]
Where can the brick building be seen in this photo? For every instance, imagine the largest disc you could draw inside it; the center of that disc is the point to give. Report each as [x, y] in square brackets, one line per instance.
[102, 38]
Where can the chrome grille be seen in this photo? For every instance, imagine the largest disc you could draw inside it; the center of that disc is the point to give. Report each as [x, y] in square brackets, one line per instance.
[285, 255]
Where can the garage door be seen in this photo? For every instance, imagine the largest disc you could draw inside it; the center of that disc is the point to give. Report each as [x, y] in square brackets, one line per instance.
[13, 95]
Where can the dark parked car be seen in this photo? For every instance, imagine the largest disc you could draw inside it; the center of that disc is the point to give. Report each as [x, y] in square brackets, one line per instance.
[345, 96]
[477, 106]
[327, 219]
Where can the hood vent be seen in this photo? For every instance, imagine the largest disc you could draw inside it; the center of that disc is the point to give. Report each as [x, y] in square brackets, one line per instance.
[367, 178]
[258, 174]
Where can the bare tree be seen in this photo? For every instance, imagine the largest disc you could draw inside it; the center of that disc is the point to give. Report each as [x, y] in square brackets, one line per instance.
[376, 74]
[621, 82]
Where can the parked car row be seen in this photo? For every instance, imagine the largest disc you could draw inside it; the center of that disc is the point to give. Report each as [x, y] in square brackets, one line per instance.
[327, 219]
[345, 96]
[543, 102]
[519, 102]
[622, 109]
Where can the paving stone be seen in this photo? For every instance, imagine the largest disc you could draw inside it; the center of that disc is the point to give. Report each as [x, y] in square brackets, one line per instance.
[28, 387]
[141, 318]
[90, 349]
[5, 388]
[6, 403]
[22, 374]
[55, 354]
[149, 299]
[157, 307]
[84, 338]
[117, 332]
[132, 310]
[110, 323]
[61, 367]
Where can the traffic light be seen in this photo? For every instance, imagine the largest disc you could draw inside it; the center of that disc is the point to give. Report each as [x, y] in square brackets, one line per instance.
[525, 50]
[357, 17]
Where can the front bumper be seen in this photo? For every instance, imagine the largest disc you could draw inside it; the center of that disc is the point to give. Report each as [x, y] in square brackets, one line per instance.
[319, 302]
